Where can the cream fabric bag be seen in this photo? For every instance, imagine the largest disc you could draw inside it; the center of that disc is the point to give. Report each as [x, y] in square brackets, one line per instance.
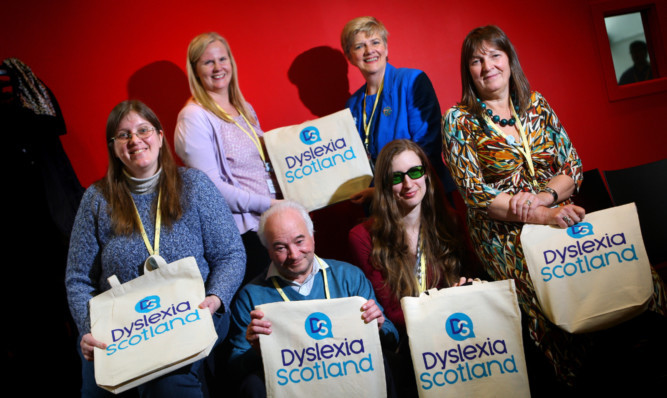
[152, 324]
[466, 341]
[592, 275]
[319, 162]
[321, 348]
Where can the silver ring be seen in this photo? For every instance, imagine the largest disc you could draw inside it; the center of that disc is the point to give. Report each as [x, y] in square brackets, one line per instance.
[528, 202]
[567, 220]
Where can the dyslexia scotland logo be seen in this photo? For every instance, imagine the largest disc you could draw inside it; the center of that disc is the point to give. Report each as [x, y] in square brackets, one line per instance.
[582, 256]
[580, 230]
[318, 326]
[147, 304]
[459, 327]
[460, 362]
[310, 135]
[162, 319]
[316, 158]
[322, 359]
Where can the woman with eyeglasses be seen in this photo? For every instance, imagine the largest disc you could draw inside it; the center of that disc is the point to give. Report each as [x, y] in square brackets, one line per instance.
[218, 132]
[182, 215]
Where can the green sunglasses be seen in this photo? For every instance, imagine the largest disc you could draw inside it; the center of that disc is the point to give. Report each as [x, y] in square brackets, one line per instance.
[414, 173]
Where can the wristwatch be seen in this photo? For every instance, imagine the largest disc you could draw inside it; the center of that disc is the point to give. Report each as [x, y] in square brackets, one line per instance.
[552, 192]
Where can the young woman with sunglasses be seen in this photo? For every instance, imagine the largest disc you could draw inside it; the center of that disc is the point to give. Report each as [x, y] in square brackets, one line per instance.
[410, 242]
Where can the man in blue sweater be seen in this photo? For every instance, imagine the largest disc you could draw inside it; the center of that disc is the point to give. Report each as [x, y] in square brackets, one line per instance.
[295, 273]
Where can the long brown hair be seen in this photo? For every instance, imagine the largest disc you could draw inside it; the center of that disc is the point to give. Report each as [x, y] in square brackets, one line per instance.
[195, 51]
[518, 82]
[114, 186]
[390, 254]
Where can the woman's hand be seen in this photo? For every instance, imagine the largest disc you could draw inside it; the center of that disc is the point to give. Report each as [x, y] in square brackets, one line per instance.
[212, 302]
[256, 327]
[88, 343]
[362, 196]
[529, 208]
[463, 281]
[565, 216]
[523, 205]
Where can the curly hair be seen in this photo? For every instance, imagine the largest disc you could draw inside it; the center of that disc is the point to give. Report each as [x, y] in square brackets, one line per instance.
[390, 252]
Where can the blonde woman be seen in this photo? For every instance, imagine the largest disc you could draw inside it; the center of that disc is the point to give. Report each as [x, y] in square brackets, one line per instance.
[218, 132]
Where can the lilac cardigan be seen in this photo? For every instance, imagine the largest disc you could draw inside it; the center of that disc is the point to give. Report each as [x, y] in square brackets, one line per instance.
[199, 144]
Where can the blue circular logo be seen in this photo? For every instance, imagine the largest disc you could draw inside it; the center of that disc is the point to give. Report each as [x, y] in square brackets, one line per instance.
[459, 327]
[310, 135]
[318, 326]
[147, 304]
[580, 230]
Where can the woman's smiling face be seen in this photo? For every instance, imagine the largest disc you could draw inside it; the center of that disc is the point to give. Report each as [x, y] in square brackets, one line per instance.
[408, 193]
[214, 68]
[369, 53]
[490, 71]
[138, 155]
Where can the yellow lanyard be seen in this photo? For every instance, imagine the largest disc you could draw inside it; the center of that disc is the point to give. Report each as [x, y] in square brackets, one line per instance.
[525, 151]
[158, 221]
[367, 123]
[254, 137]
[324, 275]
[421, 280]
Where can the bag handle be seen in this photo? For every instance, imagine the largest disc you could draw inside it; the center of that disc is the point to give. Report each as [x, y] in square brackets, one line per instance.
[113, 281]
[154, 262]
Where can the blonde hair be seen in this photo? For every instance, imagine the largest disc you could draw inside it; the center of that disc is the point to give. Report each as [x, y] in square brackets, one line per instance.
[195, 51]
[367, 25]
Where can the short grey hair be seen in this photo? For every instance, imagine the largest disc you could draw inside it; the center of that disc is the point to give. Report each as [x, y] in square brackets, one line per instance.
[281, 206]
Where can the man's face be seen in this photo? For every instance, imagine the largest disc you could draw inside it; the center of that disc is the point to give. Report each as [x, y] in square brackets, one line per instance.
[290, 245]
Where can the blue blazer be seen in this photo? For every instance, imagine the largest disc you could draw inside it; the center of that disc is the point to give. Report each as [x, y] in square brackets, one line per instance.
[407, 108]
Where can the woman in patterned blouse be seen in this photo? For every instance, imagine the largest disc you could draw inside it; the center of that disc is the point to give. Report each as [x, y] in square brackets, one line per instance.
[513, 163]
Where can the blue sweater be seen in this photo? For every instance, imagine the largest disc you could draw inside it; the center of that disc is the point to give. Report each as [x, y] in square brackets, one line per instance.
[344, 280]
[206, 231]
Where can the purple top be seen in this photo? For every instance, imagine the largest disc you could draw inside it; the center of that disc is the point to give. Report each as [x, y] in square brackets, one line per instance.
[229, 158]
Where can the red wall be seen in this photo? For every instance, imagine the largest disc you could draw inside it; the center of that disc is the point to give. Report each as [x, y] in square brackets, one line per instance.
[93, 55]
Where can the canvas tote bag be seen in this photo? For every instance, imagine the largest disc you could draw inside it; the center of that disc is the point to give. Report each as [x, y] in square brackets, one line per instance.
[592, 275]
[319, 162]
[466, 341]
[152, 324]
[321, 348]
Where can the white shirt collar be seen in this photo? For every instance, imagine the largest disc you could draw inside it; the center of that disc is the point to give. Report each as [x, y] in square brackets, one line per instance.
[304, 287]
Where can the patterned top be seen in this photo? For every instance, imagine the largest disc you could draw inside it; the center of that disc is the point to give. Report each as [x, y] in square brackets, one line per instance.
[484, 165]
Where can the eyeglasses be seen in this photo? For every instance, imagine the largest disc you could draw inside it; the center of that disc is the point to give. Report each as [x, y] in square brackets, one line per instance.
[124, 136]
[414, 173]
